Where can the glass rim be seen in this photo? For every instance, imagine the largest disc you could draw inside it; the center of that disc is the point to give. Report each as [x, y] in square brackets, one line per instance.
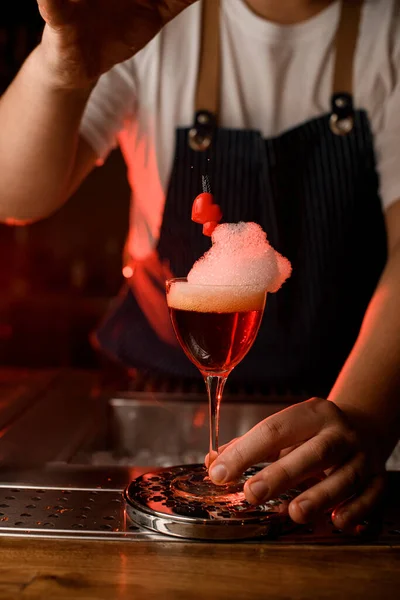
[215, 285]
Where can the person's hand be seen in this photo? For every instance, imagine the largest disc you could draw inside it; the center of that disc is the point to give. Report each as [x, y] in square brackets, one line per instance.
[310, 439]
[83, 39]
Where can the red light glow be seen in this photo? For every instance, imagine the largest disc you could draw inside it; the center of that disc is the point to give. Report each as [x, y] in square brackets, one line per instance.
[127, 272]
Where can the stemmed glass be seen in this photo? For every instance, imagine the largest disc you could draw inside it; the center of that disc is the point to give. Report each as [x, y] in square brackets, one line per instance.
[216, 325]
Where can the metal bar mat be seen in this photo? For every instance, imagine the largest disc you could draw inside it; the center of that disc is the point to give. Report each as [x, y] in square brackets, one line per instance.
[72, 513]
[100, 514]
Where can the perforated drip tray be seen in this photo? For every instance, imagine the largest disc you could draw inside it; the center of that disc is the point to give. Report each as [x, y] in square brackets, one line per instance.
[99, 514]
[72, 513]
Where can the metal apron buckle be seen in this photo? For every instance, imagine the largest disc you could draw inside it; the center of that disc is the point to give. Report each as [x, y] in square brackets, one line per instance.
[341, 121]
[202, 132]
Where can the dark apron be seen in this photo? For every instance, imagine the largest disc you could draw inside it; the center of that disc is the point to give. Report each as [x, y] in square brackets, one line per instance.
[314, 190]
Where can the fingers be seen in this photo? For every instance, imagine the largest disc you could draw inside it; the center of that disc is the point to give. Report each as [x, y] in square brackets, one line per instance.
[282, 430]
[309, 459]
[211, 457]
[56, 12]
[355, 510]
[287, 451]
[335, 489]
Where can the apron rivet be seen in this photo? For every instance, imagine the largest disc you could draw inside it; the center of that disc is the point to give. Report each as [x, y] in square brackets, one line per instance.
[341, 126]
[341, 102]
[201, 134]
[342, 118]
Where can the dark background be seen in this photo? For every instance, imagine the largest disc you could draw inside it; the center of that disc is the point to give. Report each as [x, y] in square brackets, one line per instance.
[58, 276]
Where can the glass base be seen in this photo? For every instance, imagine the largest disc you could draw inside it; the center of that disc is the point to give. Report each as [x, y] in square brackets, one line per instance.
[198, 486]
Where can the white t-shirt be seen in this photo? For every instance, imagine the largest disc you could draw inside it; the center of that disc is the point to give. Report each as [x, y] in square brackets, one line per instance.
[274, 77]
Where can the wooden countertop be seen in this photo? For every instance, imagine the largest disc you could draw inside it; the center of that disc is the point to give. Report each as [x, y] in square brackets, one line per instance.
[53, 570]
[93, 570]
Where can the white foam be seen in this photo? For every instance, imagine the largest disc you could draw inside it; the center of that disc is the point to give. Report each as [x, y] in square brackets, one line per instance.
[209, 298]
[241, 256]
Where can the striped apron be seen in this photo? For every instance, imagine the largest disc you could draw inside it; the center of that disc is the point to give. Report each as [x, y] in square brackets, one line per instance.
[314, 190]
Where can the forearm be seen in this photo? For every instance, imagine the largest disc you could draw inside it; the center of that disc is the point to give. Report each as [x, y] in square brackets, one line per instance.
[369, 383]
[39, 124]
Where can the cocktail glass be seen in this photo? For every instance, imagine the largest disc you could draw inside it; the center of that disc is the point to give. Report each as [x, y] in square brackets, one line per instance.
[216, 325]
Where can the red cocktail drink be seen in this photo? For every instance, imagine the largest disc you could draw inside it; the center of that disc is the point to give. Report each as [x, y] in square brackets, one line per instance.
[216, 327]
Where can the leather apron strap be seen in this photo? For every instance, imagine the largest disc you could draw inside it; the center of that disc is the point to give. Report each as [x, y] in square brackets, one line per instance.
[342, 109]
[209, 78]
[346, 42]
[209, 75]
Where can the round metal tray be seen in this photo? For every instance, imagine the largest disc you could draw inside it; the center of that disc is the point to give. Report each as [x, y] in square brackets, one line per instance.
[152, 503]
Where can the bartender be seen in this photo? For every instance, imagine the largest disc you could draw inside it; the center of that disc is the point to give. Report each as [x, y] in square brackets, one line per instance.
[291, 109]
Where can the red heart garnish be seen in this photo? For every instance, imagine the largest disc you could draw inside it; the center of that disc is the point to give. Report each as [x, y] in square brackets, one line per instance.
[212, 213]
[205, 212]
[208, 228]
[200, 205]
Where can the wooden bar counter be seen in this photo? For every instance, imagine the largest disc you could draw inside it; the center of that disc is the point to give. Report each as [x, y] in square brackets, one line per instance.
[105, 570]
[287, 568]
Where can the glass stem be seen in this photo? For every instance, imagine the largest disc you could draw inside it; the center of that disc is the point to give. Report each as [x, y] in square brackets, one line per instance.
[215, 386]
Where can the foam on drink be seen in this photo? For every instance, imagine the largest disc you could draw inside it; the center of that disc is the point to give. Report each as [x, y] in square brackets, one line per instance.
[242, 256]
[241, 259]
[214, 298]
